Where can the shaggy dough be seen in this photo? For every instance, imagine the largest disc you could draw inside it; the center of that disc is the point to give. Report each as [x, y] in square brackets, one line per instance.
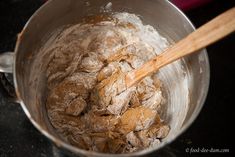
[88, 103]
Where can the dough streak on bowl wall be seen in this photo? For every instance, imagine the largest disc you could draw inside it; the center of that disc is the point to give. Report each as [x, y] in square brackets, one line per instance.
[89, 57]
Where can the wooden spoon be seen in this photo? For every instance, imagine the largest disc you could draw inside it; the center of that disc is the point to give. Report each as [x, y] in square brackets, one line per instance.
[207, 34]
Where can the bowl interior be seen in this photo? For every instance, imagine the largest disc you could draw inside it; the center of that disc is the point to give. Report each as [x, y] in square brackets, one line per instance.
[185, 81]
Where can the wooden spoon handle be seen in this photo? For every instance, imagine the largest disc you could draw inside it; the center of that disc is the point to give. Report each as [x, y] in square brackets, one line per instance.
[207, 34]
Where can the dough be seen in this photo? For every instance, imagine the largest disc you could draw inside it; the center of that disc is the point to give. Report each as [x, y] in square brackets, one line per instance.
[88, 103]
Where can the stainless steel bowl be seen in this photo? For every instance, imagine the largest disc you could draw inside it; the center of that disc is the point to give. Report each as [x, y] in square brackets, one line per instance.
[186, 81]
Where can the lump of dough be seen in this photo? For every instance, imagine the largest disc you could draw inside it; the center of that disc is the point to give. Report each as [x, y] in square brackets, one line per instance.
[64, 93]
[153, 134]
[154, 102]
[106, 42]
[133, 139]
[122, 54]
[136, 119]
[76, 106]
[134, 102]
[88, 80]
[91, 63]
[145, 89]
[109, 88]
[98, 123]
[107, 71]
[159, 131]
[120, 102]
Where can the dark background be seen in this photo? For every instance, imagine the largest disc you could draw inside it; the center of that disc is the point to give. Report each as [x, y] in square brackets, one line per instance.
[212, 129]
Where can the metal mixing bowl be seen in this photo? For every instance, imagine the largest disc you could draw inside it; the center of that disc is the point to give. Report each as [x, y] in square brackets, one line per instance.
[185, 81]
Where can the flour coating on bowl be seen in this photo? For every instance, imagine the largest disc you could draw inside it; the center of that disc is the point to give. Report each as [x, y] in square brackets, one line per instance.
[88, 103]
